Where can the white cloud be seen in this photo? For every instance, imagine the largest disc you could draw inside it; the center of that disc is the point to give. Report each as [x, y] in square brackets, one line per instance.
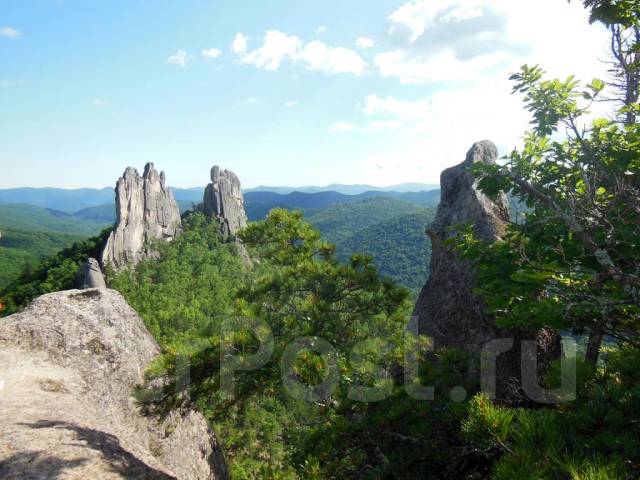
[211, 53]
[443, 67]
[276, 48]
[180, 58]
[321, 29]
[466, 40]
[382, 125]
[407, 110]
[239, 44]
[249, 101]
[435, 132]
[319, 56]
[5, 83]
[365, 43]
[99, 102]
[341, 127]
[417, 16]
[10, 33]
[290, 104]
[279, 47]
[467, 49]
[387, 114]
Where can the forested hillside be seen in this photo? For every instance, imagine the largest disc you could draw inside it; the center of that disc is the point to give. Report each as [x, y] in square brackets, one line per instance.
[399, 246]
[284, 337]
[20, 249]
[299, 289]
[391, 231]
[259, 203]
[340, 221]
[29, 234]
[51, 274]
[76, 200]
[37, 219]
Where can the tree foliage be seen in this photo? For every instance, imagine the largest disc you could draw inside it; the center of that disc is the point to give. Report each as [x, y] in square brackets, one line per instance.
[52, 274]
[296, 288]
[572, 264]
[23, 249]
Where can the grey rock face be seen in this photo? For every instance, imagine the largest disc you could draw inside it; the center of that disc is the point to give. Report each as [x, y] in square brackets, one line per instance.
[447, 309]
[146, 210]
[68, 365]
[223, 200]
[90, 276]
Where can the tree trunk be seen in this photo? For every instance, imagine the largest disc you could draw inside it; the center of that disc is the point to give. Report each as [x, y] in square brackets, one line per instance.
[593, 346]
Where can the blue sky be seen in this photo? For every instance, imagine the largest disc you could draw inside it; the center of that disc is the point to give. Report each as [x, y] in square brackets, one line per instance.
[281, 92]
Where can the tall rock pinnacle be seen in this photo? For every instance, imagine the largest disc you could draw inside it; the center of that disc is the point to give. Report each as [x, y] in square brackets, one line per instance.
[223, 200]
[146, 210]
[89, 275]
[448, 311]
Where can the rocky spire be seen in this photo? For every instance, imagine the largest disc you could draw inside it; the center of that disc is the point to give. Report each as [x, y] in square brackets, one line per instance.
[223, 200]
[89, 275]
[447, 309]
[146, 210]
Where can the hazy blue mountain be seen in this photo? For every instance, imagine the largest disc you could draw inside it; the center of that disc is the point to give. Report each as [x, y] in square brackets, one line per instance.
[100, 213]
[429, 198]
[107, 212]
[57, 198]
[188, 195]
[379, 223]
[347, 189]
[82, 201]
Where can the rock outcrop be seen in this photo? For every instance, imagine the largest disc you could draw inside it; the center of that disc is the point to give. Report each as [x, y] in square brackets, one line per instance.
[448, 311]
[223, 200]
[146, 210]
[90, 276]
[68, 364]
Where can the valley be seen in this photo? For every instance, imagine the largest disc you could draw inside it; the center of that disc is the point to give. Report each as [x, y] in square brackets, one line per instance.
[320, 240]
[388, 225]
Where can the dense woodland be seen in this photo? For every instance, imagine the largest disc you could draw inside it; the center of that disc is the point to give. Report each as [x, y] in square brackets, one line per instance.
[570, 264]
[29, 234]
[21, 250]
[390, 230]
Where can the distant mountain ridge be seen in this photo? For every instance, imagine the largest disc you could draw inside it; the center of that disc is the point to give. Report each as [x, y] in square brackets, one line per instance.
[74, 200]
[67, 201]
[388, 225]
[347, 189]
[258, 204]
